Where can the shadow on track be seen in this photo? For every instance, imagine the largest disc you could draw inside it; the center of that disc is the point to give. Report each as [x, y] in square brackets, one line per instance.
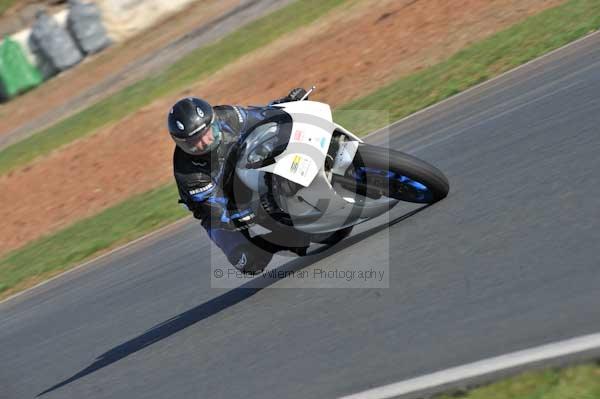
[215, 305]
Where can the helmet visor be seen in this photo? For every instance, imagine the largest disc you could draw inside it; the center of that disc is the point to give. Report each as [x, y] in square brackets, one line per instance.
[202, 142]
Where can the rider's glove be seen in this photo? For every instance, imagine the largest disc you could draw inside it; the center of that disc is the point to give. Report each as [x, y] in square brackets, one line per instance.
[294, 95]
[241, 219]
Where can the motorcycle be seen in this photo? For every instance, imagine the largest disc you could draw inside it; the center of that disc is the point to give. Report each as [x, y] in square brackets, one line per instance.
[312, 180]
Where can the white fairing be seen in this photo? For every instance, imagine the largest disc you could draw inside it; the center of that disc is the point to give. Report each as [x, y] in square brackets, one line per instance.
[311, 134]
[318, 207]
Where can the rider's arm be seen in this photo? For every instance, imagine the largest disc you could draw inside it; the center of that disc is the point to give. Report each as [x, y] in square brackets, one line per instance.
[194, 186]
[240, 119]
[201, 196]
[211, 209]
[244, 119]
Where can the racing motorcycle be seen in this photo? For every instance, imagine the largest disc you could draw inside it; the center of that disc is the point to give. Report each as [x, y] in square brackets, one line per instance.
[304, 175]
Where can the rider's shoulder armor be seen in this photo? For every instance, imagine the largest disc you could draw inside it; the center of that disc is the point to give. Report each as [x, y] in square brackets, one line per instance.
[231, 118]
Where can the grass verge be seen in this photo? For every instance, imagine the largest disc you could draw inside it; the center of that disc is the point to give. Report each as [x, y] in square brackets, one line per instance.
[5, 5]
[114, 226]
[200, 63]
[578, 382]
[476, 63]
[135, 217]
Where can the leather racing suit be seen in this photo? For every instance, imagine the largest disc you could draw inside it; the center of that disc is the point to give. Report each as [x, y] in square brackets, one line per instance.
[204, 180]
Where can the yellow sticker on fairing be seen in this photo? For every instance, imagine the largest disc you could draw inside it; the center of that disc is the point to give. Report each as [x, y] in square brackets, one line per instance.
[295, 163]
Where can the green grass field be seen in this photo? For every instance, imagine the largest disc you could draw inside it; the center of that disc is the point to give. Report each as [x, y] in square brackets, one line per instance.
[196, 65]
[5, 5]
[578, 382]
[135, 217]
[114, 226]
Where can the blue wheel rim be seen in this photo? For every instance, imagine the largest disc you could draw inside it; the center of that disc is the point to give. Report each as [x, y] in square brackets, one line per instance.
[417, 191]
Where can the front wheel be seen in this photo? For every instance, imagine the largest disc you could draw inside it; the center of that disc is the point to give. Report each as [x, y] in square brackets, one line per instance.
[377, 171]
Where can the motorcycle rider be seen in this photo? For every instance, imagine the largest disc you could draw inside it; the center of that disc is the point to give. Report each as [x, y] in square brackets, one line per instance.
[206, 138]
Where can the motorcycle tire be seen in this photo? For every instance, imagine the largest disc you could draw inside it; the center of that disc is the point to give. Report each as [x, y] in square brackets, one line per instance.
[377, 171]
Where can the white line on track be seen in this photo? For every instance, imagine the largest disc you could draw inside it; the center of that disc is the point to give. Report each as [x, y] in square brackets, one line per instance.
[483, 367]
[496, 364]
[384, 129]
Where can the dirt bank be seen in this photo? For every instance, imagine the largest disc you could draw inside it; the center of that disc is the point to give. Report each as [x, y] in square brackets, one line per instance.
[346, 56]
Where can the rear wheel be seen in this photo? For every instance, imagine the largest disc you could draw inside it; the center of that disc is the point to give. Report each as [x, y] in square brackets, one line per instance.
[378, 171]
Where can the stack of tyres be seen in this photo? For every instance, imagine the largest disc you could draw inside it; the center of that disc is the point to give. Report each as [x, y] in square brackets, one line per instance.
[85, 25]
[53, 45]
[16, 73]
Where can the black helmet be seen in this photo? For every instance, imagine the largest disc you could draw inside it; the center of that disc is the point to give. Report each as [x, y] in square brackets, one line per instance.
[189, 120]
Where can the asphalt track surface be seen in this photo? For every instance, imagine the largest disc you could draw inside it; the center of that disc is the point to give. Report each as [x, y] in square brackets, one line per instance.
[508, 261]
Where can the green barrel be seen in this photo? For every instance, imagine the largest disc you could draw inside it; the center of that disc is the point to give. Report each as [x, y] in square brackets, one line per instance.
[16, 73]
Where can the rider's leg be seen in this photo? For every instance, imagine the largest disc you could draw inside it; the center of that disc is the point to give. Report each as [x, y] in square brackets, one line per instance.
[241, 251]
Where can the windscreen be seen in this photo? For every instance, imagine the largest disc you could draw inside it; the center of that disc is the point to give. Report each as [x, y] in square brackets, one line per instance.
[267, 140]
